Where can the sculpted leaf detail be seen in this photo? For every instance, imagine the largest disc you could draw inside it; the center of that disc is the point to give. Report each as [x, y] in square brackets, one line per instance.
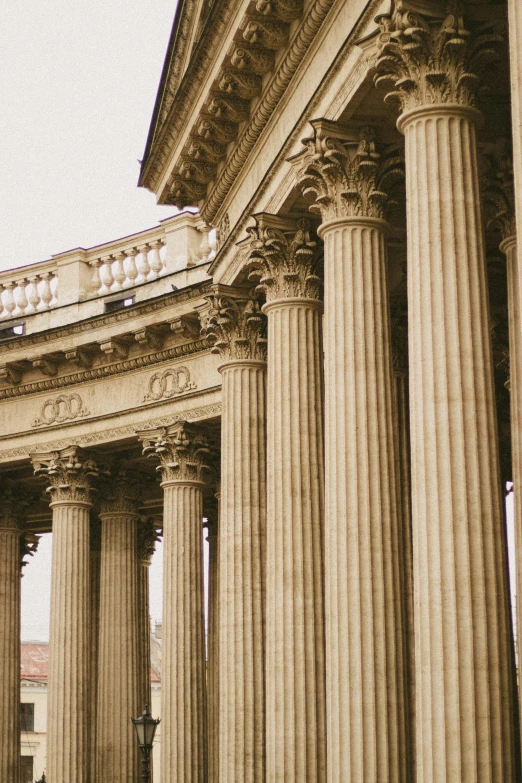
[70, 473]
[181, 448]
[430, 60]
[235, 328]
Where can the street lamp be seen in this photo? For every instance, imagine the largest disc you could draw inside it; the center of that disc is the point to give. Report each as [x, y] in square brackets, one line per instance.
[145, 730]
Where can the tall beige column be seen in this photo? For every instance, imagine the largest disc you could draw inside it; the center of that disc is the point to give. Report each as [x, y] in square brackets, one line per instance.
[464, 688]
[213, 641]
[118, 693]
[95, 624]
[147, 537]
[236, 329]
[10, 534]
[69, 473]
[364, 665]
[182, 451]
[283, 257]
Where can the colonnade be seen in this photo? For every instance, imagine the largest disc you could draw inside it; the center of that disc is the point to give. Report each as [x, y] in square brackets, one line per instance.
[359, 623]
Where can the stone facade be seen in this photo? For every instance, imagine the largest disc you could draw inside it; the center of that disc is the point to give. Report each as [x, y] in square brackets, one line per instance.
[330, 348]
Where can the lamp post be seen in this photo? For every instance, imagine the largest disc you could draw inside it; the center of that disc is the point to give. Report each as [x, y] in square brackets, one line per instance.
[145, 729]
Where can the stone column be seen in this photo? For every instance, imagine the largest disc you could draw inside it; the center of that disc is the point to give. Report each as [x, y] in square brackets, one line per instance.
[213, 643]
[182, 451]
[463, 646]
[69, 473]
[364, 663]
[236, 329]
[147, 537]
[118, 685]
[283, 256]
[10, 537]
[95, 625]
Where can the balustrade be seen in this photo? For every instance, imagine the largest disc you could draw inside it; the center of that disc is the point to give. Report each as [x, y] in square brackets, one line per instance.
[25, 295]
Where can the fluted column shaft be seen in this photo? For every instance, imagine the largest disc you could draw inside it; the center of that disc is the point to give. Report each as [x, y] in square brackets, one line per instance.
[95, 625]
[183, 736]
[10, 650]
[213, 648]
[242, 573]
[143, 634]
[69, 683]
[118, 697]
[364, 663]
[295, 678]
[464, 698]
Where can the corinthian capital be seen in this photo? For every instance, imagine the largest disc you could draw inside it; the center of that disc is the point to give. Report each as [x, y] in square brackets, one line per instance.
[181, 448]
[282, 258]
[234, 326]
[147, 537]
[120, 491]
[13, 505]
[70, 473]
[499, 194]
[433, 57]
[349, 177]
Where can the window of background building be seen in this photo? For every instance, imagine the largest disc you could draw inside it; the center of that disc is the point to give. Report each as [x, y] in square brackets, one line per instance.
[26, 717]
[26, 769]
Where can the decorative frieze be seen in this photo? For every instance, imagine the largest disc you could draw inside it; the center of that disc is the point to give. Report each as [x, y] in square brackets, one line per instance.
[57, 410]
[283, 258]
[234, 327]
[70, 472]
[181, 449]
[433, 57]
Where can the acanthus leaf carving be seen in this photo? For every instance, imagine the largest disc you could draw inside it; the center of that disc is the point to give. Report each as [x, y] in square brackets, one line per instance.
[70, 473]
[148, 535]
[283, 259]
[182, 450]
[120, 490]
[234, 327]
[433, 59]
[349, 179]
[498, 189]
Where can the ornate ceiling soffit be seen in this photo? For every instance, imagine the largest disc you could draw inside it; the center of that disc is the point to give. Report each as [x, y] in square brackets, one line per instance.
[105, 371]
[350, 175]
[234, 326]
[283, 258]
[220, 124]
[429, 54]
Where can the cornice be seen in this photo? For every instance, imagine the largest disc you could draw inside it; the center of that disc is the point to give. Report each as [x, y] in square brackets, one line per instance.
[177, 351]
[163, 302]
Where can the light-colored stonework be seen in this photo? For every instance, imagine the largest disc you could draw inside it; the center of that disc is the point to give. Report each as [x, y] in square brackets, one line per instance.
[330, 345]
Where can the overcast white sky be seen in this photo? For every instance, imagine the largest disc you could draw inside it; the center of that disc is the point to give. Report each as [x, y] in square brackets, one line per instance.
[78, 82]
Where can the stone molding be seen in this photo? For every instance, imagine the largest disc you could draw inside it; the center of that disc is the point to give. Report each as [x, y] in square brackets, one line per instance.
[283, 258]
[431, 57]
[106, 370]
[70, 473]
[181, 448]
[234, 326]
[349, 178]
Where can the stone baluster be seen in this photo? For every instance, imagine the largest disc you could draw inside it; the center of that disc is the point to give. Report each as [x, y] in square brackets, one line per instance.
[364, 635]
[9, 301]
[47, 294]
[118, 697]
[119, 274]
[95, 567]
[11, 515]
[2, 289]
[464, 678]
[106, 275]
[96, 281]
[182, 451]
[236, 329]
[144, 267]
[69, 473]
[283, 257]
[132, 270]
[156, 263]
[21, 299]
[34, 294]
[147, 537]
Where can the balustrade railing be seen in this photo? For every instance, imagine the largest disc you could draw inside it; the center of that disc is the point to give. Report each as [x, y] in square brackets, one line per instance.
[178, 243]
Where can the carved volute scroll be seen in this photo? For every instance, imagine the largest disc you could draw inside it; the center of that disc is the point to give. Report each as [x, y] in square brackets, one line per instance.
[70, 473]
[498, 190]
[120, 490]
[432, 57]
[234, 327]
[349, 179]
[181, 448]
[283, 258]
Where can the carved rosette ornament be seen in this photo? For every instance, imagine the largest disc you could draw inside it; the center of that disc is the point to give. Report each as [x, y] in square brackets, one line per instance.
[70, 471]
[432, 58]
[283, 259]
[234, 327]
[181, 449]
[349, 179]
